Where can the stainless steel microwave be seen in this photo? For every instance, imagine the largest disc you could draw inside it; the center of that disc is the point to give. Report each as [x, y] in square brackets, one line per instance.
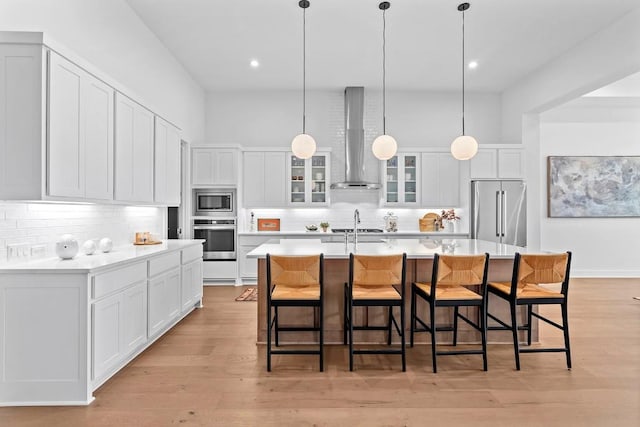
[208, 202]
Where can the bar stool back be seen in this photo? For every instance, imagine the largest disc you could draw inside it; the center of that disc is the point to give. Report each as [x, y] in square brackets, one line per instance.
[294, 281]
[375, 281]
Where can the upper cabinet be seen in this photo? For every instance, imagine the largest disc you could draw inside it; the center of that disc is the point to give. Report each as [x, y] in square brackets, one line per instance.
[67, 135]
[167, 163]
[264, 179]
[308, 180]
[497, 163]
[401, 180]
[440, 180]
[80, 143]
[134, 151]
[214, 167]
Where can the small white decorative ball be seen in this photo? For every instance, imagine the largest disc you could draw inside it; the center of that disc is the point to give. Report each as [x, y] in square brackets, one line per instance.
[89, 247]
[67, 246]
[105, 244]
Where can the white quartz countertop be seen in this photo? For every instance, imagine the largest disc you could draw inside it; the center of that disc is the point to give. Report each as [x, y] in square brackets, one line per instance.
[319, 234]
[414, 248]
[81, 263]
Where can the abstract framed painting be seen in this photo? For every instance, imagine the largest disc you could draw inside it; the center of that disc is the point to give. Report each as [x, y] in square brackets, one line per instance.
[593, 186]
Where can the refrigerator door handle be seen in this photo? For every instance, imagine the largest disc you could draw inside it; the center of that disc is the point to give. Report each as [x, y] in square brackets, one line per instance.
[504, 213]
[498, 213]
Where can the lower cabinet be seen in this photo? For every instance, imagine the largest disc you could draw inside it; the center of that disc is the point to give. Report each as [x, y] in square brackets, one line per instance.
[191, 284]
[164, 300]
[119, 327]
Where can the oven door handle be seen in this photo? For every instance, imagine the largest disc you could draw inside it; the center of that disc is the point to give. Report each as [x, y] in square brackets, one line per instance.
[208, 227]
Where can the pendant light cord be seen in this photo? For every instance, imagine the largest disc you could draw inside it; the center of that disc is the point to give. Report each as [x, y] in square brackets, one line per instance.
[384, 73]
[304, 70]
[463, 68]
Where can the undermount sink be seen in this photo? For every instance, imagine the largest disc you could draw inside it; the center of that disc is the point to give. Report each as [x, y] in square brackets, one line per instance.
[360, 230]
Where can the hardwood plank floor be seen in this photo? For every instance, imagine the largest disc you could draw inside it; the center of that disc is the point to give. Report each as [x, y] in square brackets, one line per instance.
[209, 371]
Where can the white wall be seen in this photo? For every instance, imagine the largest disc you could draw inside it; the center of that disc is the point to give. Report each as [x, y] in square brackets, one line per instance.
[111, 37]
[44, 223]
[602, 247]
[607, 56]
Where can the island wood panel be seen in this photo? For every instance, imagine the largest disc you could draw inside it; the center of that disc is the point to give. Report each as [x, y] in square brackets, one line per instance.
[336, 273]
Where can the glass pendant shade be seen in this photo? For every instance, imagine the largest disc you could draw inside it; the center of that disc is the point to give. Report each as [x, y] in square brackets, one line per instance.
[303, 146]
[384, 147]
[464, 147]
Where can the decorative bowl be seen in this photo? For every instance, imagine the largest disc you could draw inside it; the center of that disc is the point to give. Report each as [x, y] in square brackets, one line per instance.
[311, 227]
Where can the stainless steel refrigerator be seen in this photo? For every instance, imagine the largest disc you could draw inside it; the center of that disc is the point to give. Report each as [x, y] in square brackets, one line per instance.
[499, 211]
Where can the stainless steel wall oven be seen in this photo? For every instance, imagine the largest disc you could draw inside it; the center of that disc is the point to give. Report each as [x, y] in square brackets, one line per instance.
[219, 236]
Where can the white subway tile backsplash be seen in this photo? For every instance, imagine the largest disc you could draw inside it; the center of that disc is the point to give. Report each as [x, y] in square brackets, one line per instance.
[43, 224]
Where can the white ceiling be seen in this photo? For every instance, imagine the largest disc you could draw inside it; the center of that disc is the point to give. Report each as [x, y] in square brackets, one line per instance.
[215, 40]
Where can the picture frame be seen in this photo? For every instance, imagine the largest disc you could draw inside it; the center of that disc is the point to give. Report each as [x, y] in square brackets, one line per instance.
[593, 186]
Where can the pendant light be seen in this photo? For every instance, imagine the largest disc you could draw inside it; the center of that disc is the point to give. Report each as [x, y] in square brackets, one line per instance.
[385, 146]
[463, 147]
[303, 145]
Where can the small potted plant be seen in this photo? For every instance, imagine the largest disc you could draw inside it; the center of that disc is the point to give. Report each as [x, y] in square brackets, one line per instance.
[449, 217]
[324, 226]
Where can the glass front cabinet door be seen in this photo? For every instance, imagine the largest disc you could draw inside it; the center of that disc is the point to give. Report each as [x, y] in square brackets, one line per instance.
[309, 180]
[401, 180]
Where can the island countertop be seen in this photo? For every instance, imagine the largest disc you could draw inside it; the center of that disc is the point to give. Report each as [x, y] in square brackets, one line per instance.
[414, 248]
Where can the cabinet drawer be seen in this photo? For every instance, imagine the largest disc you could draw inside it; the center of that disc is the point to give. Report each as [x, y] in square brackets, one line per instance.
[191, 253]
[163, 263]
[106, 283]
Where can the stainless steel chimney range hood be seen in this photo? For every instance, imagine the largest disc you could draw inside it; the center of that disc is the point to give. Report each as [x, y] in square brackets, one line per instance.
[354, 142]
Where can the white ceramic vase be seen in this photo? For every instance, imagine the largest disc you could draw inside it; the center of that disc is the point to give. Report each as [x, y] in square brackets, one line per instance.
[67, 246]
[106, 244]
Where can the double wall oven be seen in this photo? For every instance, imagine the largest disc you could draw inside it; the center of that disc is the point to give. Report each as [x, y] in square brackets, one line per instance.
[214, 220]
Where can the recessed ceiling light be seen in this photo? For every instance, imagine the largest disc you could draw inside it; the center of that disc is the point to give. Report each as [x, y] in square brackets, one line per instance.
[254, 63]
[473, 65]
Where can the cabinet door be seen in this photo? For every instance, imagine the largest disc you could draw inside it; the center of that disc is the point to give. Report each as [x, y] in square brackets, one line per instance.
[253, 178]
[248, 266]
[484, 164]
[107, 337]
[134, 326]
[173, 294]
[134, 151]
[297, 180]
[97, 107]
[167, 163]
[226, 170]
[510, 163]
[191, 284]
[275, 178]
[319, 180]
[203, 164]
[449, 180]
[440, 180]
[392, 184]
[158, 306]
[409, 179]
[65, 149]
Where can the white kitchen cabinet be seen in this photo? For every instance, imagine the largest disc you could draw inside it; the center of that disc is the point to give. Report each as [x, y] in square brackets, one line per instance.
[308, 180]
[134, 306]
[401, 181]
[134, 151]
[107, 334]
[167, 163]
[214, 167]
[264, 179]
[191, 284]
[164, 300]
[497, 163]
[80, 138]
[511, 163]
[440, 180]
[248, 267]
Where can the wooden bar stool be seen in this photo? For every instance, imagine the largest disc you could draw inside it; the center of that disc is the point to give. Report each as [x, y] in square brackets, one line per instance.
[529, 273]
[448, 288]
[375, 281]
[294, 281]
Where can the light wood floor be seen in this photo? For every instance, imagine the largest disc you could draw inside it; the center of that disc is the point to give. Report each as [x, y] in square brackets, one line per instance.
[208, 371]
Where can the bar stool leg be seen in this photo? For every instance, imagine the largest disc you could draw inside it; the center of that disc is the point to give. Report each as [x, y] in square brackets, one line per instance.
[514, 330]
[565, 329]
[402, 332]
[413, 322]
[268, 338]
[432, 314]
[345, 324]
[529, 316]
[390, 324]
[350, 334]
[483, 334]
[455, 325]
[321, 310]
[277, 328]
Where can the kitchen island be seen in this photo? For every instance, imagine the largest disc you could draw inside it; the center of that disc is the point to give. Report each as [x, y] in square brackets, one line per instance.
[67, 326]
[420, 254]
